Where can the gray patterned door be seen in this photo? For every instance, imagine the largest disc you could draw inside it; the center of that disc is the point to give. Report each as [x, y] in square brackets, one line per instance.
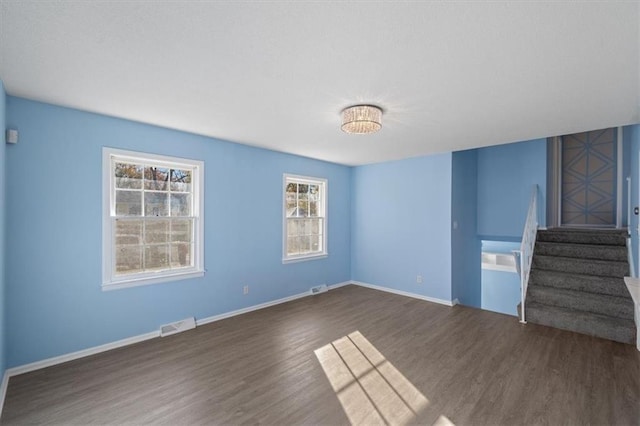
[589, 175]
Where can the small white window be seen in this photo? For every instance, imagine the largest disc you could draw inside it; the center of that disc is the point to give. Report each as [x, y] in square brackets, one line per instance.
[305, 219]
[152, 228]
[498, 261]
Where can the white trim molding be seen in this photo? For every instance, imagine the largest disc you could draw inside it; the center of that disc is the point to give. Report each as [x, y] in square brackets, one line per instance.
[342, 284]
[48, 362]
[322, 214]
[408, 294]
[3, 389]
[26, 368]
[111, 279]
[248, 309]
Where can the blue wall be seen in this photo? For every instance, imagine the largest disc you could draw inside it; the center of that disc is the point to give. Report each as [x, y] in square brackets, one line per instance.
[3, 206]
[53, 207]
[388, 223]
[465, 245]
[401, 225]
[500, 289]
[506, 174]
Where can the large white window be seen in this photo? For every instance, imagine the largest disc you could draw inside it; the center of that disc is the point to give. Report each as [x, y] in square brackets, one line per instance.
[305, 220]
[152, 226]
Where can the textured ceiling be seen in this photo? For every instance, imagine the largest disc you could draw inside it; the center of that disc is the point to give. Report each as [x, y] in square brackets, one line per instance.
[449, 75]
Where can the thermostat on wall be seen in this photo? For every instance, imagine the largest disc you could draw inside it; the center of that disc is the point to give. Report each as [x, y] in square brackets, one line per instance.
[12, 136]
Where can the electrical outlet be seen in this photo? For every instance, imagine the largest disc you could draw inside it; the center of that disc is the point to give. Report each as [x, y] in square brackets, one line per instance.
[419, 279]
[245, 289]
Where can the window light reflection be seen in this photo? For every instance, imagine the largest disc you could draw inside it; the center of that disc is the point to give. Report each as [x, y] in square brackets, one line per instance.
[370, 388]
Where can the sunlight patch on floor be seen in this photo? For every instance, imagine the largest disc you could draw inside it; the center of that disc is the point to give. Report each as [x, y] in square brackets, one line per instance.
[370, 389]
[443, 421]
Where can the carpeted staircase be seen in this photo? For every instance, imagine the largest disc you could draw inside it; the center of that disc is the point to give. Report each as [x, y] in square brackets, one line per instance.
[576, 283]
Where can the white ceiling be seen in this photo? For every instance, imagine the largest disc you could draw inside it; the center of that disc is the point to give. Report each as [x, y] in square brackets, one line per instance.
[276, 74]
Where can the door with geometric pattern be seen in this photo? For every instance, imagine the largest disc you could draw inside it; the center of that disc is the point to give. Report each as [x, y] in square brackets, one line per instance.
[589, 179]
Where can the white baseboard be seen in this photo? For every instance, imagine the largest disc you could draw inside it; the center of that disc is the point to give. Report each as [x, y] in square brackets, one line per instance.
[14, 371]
[3, 389]
[342, 284]
[407, 294]
[219, 317]
[248, 309]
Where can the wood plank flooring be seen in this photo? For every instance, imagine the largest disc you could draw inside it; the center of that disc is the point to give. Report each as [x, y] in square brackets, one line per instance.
[455, 365]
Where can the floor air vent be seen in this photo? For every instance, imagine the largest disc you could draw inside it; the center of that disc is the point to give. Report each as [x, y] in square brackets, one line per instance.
[177, 327]
[319, 289]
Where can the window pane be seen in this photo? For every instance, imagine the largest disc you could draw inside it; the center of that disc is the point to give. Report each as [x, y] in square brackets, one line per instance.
[128, 175]
[128, 259]
[315, 226]
[292, 228]
[152, 225]
[314, 191]
[156, 257]
[181, 255]
[128, 203]
[292, 187]
[181, 180]
[128, 232]
[306, 227]
[315, 243]
[290, 203]
[292, 245]
[180, 204]
[156, 178]
[155, 204]
[156, 231]
[304, 200]
[303, 244]
[292, 210]
[303, 208]
[181, 230]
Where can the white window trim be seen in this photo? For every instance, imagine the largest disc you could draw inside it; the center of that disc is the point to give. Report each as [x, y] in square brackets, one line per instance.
[111, 282]
[325, 248]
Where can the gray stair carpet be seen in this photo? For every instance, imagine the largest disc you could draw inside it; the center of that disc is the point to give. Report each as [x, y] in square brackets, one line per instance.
[576, 283]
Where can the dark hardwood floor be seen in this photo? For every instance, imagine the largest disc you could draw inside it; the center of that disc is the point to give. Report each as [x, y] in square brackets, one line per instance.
[349, 355]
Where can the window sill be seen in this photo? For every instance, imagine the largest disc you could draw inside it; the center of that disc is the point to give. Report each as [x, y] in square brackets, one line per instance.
[135, 282]
[304, 258]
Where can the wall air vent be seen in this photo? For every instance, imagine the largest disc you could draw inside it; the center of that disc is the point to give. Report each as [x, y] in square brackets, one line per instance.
[177, 327]
[319, 289]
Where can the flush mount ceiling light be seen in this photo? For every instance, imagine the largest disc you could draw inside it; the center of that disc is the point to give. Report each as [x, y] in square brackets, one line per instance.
[361, 119]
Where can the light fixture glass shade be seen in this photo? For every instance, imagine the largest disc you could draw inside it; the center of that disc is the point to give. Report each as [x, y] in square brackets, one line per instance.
[361, 119]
